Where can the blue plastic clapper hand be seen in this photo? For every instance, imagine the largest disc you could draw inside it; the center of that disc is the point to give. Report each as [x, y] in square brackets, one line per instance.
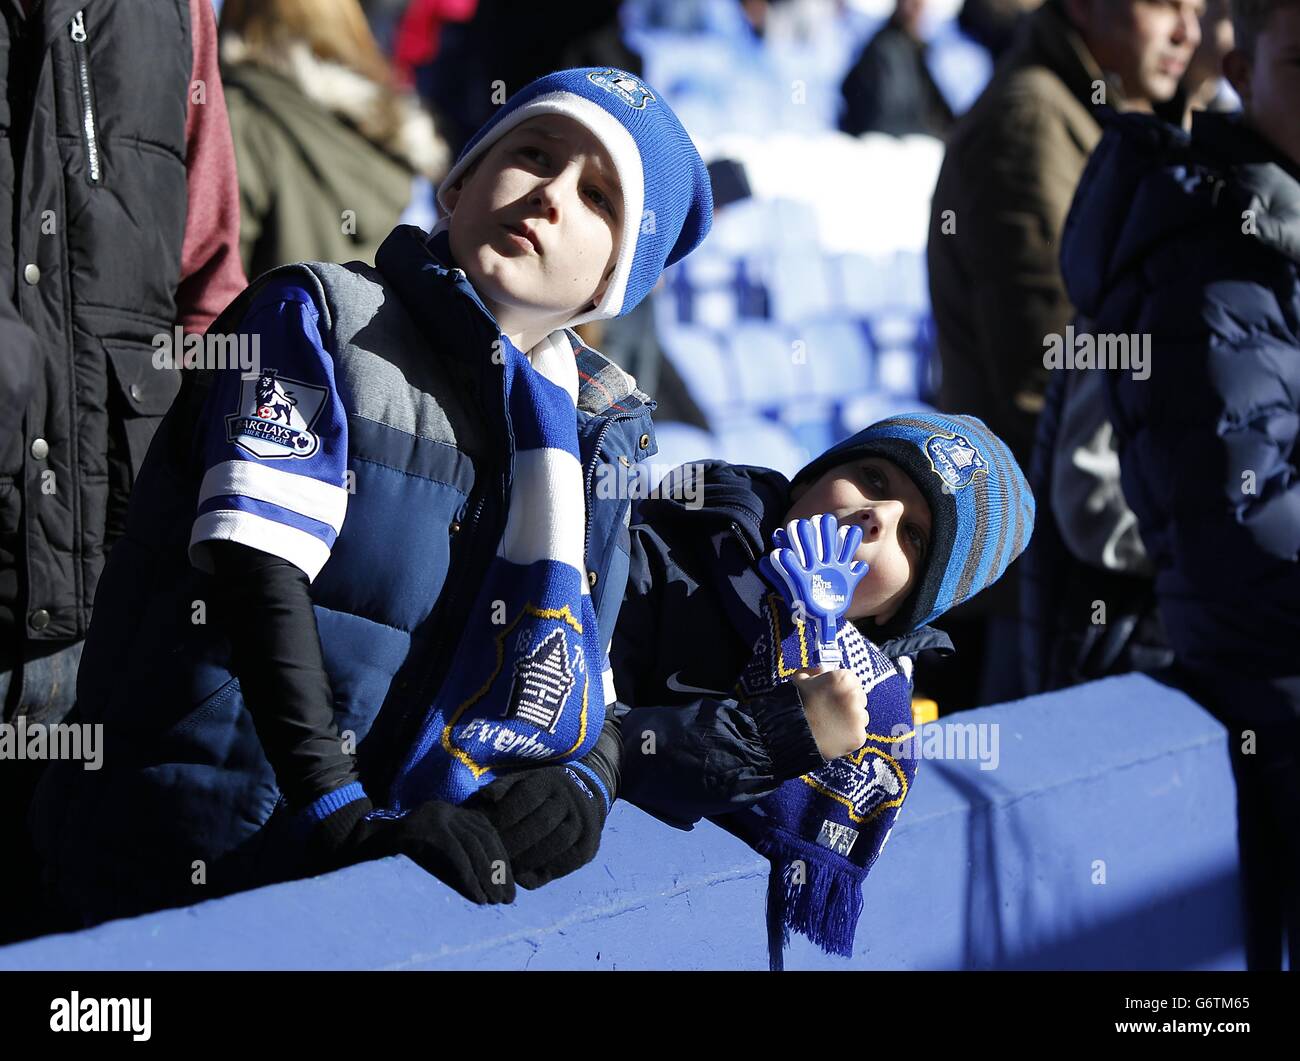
[813, 567]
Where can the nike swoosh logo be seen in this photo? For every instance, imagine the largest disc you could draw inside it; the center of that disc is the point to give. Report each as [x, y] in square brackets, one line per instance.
[678, 687]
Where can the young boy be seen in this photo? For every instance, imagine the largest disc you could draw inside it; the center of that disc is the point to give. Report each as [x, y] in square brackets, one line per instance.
[944, 509]
[1193, 243]
[374, 573]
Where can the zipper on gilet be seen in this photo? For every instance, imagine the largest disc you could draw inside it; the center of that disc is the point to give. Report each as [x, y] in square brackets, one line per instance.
[88, 133]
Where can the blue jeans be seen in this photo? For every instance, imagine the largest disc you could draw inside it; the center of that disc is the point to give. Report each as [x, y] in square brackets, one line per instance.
[44, 689]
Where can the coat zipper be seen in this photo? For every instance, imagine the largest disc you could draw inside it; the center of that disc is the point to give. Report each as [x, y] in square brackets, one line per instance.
[586, 486]
[415, 714]
[79, 40]
[749, 549]
[414, 719]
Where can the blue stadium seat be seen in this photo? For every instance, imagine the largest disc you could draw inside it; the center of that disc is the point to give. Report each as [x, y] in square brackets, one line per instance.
[799, 285]
[752, 301]
[712, 292]
[740, 228]
[707, 266]
[715, 308]
[891, 328]
[838, 357]
[910, 287]
[702, 364]
[898, 372]
[698, 111]
[672, 302]
[791, 223]
[763, 360]
[861, 283]
[959, 66]
[753, 440]
[681, 444]
[749, 99]
[812, 423]
[753, 226]
[677, 53]
[867, 409]
[929, 367]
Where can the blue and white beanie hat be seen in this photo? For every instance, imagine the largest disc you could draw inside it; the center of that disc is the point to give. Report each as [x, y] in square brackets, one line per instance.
[667, 199]
[981, 507]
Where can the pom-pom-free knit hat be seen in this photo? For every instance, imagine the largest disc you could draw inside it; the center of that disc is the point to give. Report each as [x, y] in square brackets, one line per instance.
[667, 199]
[980, 504]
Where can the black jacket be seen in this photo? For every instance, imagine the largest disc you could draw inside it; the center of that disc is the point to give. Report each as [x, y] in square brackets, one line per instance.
[693, 592]
[93, 197]
[890, 89]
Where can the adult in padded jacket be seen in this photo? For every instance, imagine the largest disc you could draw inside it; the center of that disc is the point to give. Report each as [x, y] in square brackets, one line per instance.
[1195, 242]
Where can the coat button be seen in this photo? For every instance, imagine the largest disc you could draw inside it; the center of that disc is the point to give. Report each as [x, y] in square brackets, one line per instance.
[39, 619]
[455, 527]
[40, 449]
[32, 274]
[136, 391]
[644, 442]
[457, 275]
[591, 579]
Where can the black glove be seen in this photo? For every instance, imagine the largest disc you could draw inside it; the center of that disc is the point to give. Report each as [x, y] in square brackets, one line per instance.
[549, 820]
[458, 845]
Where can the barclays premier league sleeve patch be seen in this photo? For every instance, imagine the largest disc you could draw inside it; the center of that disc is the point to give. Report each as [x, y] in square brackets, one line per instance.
[276, 415]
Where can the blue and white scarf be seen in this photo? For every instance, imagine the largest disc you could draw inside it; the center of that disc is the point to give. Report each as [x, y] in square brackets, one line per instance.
[530, 679]
[822, 832]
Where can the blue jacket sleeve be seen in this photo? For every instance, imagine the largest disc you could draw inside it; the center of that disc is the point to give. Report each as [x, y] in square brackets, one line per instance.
[714, 756]
[1208, 465]
[274, 442]
[688, 754]
[273, 449]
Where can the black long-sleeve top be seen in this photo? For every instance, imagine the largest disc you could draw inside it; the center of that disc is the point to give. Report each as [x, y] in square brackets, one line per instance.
[278, 661]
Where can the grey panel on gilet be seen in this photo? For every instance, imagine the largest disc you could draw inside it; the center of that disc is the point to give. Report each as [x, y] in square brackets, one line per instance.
[385, 364]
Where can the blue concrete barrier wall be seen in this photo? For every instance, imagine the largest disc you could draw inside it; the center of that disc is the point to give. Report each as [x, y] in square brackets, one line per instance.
[987, 869]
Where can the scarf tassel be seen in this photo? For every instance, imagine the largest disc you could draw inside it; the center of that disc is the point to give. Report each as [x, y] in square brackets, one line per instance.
[824, 907]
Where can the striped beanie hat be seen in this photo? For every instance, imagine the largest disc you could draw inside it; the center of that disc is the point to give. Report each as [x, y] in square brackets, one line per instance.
[667, 198]
[980, 503]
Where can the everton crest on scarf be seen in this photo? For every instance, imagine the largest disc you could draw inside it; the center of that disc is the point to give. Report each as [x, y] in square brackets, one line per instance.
[531, 680]
[823, 831]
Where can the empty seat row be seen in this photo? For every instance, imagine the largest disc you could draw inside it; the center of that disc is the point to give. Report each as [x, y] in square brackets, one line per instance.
[755, 366]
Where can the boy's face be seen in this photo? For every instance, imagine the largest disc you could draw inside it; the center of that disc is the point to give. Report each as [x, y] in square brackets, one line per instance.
[548, 176]
[878, 496]
[1268, 81]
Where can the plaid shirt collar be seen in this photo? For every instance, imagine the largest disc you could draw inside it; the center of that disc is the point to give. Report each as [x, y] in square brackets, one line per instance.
[603, 387]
